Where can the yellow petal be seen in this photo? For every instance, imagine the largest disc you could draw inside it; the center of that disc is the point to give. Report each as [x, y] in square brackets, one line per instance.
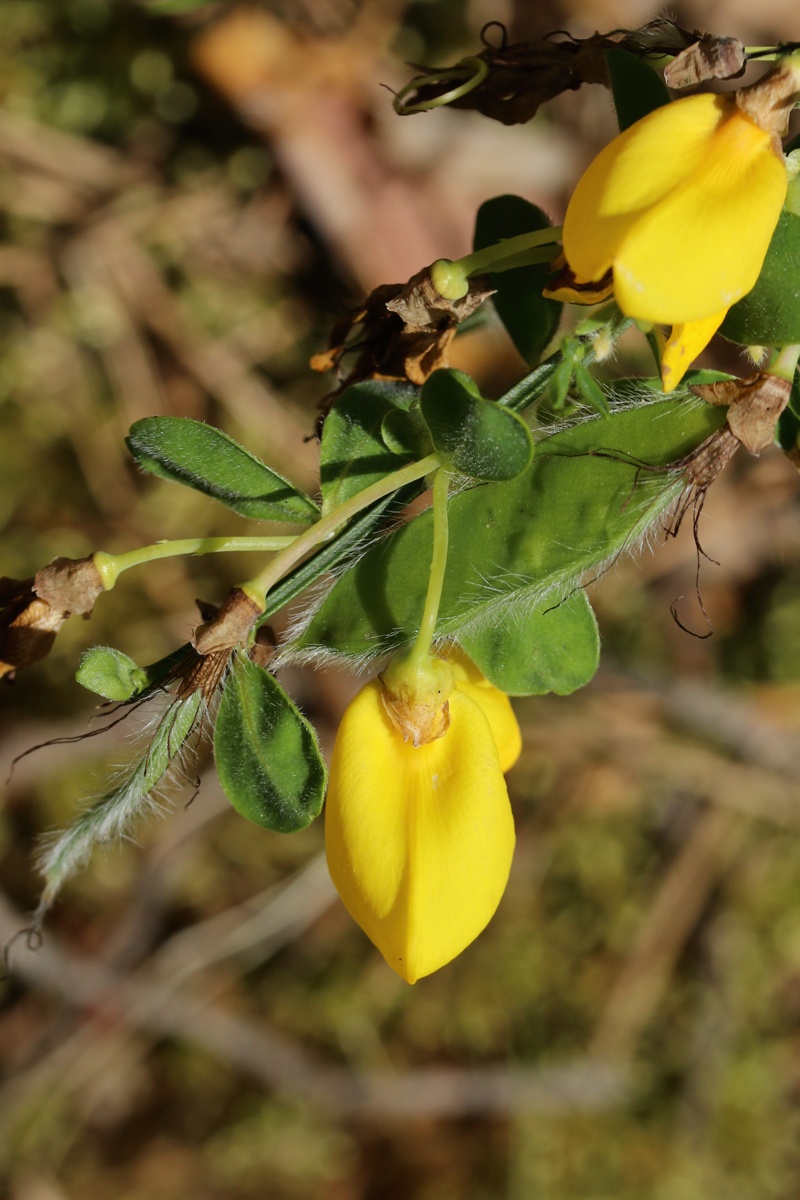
[701, 248]
[495, 704]
[684, 344]
[681, 207]
[419, 840]
[632, 174]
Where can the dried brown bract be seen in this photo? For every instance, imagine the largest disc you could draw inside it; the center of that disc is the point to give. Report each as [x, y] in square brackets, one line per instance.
[709, 58]
[230, 627]
[402, 331]
[33, 610]
[754, 406]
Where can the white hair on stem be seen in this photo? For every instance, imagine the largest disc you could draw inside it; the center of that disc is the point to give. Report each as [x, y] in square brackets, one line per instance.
[141, 791]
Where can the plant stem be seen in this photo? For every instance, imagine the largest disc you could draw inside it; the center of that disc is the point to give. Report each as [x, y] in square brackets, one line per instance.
[111, 566]
[451, 278]
[258, 587]
[470, 73]
[421, 649]
[784, 362]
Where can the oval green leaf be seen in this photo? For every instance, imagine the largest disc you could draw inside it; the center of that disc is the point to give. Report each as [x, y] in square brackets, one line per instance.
[477, 437]
[769, 315]
[353, 454]
[530, 319]
[206, 459]
[550, 648]
[267, 754]
[110, 673]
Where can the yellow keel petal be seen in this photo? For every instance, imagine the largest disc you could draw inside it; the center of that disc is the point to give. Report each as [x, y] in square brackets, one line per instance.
[419, 840]
[684, 344]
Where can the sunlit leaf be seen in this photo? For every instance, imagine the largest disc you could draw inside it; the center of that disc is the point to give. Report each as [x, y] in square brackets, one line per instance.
[267, 755]
[206, 459]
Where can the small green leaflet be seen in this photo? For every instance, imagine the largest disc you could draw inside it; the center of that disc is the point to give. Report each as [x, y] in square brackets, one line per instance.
[353, 453]
[206, 459]
[267, 754]
[637, 89]
[475, 436]
[110, 673]
[769, 315]
[530, 319]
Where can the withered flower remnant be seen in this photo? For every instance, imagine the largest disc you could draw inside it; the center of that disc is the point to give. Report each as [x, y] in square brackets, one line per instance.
[32, 611]
[401, 332]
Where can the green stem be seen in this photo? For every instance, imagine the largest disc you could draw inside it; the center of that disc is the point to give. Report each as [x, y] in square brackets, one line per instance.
[451, 278]
[784, 362]
[259, 586]
[420, 651]
[111, 566]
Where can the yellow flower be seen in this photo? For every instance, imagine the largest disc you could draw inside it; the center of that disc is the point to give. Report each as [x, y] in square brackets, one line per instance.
[681, 208]
[420, 839]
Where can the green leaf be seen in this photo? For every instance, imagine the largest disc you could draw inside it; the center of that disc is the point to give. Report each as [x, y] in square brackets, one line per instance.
[206, 459]
[406, 434]
[477, 437]
[110, 673]
[769, 315]
[267, 753]
[531, 320]
[353, 454]
[551, 648]
[635, 86]
[587, 496]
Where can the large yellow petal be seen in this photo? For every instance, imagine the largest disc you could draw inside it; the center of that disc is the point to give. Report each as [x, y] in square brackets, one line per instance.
[495, 704]
[683, 346]
[419, 840]
[701, 248]
[634, 172]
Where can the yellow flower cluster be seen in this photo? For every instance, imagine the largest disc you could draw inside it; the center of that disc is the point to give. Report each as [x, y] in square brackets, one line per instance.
[419, 838]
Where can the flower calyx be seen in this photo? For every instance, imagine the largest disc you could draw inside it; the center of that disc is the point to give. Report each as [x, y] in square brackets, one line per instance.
[416, 693]
[769, 101]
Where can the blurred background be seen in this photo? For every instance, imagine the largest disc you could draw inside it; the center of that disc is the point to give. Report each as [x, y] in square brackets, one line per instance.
[189, 198]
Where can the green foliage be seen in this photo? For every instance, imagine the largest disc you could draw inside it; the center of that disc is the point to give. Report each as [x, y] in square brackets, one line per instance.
[553, 648]
[635, 86]
[530, 319]
[206, 459]
[769, 315]
[474, 436]
[353, 452]
[516, 544]
[267, 753]
[110, 673]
